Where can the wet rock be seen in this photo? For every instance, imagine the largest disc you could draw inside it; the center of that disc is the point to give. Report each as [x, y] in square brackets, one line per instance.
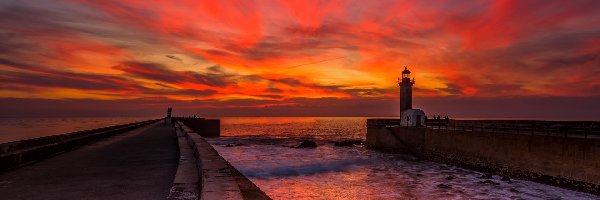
[489, 182]
[506, 179]
[449, 177]
[234, 145]
[307, 144]
[487, 176]
[444, 186]
[346, 143]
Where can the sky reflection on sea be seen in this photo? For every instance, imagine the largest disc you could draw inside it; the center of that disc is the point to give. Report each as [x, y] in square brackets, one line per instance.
[13, 129]
[355, 172]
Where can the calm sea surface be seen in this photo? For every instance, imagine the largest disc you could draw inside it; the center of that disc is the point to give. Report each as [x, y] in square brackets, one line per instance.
[263, 153]
[13, 129]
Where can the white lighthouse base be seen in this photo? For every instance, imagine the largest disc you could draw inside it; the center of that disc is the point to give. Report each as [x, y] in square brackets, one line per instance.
[412, 117]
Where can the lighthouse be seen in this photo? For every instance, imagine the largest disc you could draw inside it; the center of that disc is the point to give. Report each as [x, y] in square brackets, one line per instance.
[408, 115]
[405, 90]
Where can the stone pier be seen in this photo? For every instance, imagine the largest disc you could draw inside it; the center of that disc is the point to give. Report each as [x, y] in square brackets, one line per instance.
[138, 164]
[144, 160]
[570, 161]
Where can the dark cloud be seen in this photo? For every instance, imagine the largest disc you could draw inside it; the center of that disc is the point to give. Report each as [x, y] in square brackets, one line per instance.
[64, 80]
[20, 65]
[164, 85]
[215, 76]
[300, 41]
[159, 72]
[270, 96]
[93, 82]
[216, 69]
[13, 87]
[451, 89]
[288, 81]
[217, 80]
[40, 76]
[182, 92]
[274, 90]
[173, 57]
[251, 78]
[11, 45]
[294, 82]
[18, 14]
[152, 71]
[569, 61]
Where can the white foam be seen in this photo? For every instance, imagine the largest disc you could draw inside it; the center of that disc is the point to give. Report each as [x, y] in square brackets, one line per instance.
[358, 173]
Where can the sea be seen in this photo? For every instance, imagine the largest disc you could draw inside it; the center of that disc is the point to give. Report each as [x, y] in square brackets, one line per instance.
[262, 149]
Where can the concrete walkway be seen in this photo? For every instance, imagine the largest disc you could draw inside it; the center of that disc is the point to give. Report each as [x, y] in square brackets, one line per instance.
[139, 164]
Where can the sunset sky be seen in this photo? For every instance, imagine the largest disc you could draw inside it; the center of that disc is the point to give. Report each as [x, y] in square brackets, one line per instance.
[521, 59]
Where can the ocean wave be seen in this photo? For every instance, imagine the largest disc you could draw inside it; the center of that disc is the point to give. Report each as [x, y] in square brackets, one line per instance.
[301, 170]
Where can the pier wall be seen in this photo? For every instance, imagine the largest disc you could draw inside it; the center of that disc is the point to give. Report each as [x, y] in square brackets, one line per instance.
[17, 153]
[563, 161]
[202, 126]
[217, 178]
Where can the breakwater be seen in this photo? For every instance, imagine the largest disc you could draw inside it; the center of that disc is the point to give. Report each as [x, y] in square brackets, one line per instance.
[202, 126]
[217, 178]
[201, 173]
[13, 154]
[548, 152]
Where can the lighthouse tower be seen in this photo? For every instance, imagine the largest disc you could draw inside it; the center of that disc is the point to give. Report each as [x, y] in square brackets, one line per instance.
[405, 90]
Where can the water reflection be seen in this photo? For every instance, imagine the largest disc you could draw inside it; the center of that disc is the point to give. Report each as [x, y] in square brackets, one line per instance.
[330, 172]
[314, 127]
[13, 129]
